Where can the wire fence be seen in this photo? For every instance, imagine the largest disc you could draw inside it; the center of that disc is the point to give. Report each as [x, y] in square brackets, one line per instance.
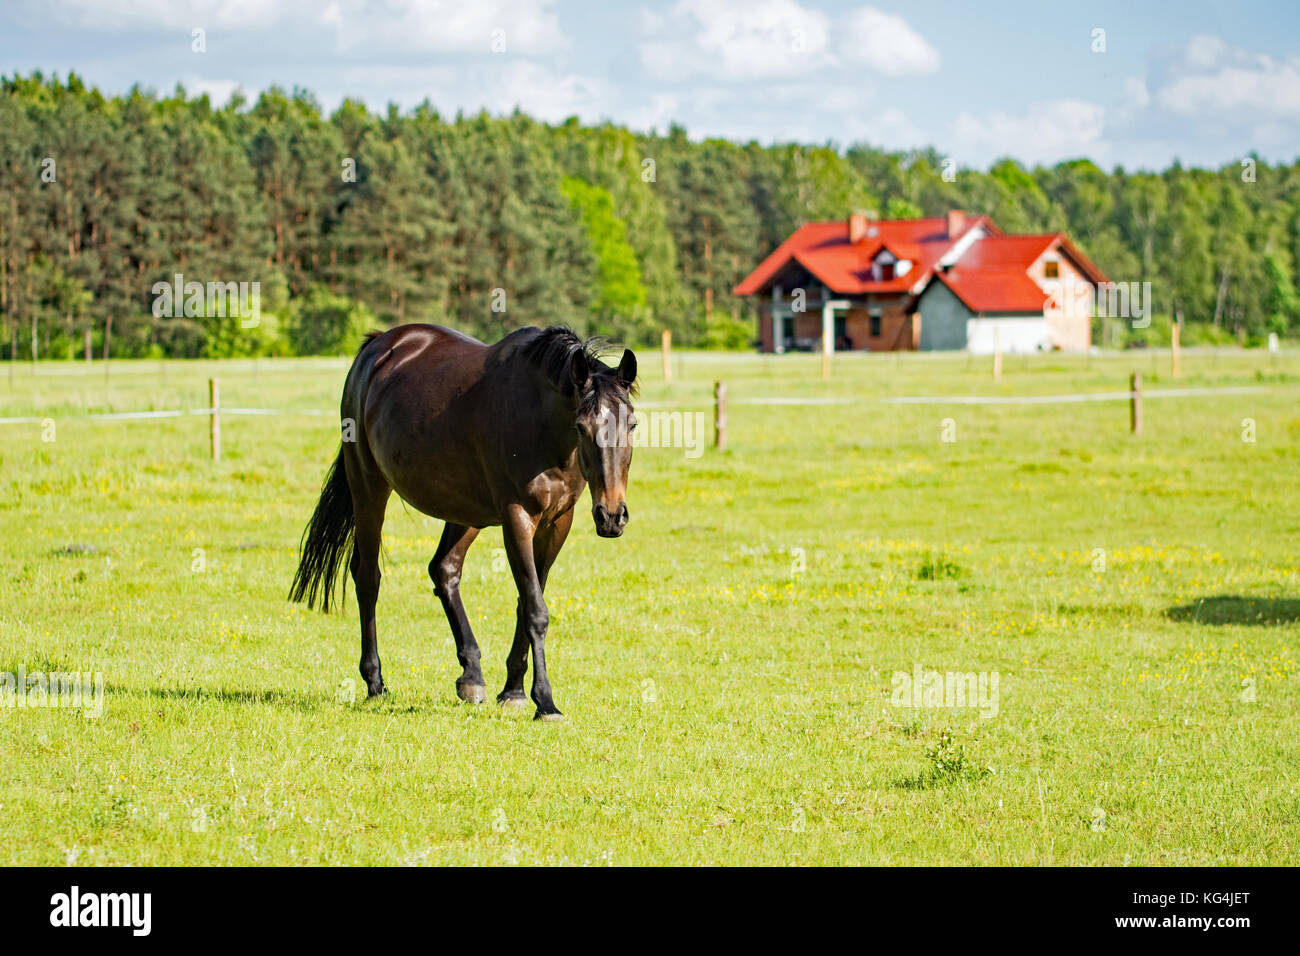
[792, 400]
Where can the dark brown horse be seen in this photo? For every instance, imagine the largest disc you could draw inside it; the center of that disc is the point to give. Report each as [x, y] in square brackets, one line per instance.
[476, 435]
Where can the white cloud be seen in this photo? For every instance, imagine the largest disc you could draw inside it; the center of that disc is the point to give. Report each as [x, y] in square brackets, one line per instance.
[1203, 51]
[162, 15]
[541, 92]
[547, 94]
[887, 128]
[658, 113]
[1229, 83]
[1131, 104]
[891, 128]
[1136, 94]
[734, 40]
[885, 43]
[218, 91]
[846, 99]
[446, 26]
[385, 27]
[1046, 132]
[802, 72]
[745, 40]
[1272, 135]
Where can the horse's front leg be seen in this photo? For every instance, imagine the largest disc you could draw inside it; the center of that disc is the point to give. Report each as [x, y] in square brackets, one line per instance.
[547, 541]
[520, 531]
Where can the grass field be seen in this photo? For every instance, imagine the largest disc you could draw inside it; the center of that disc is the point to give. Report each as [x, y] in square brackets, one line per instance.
[726, 667]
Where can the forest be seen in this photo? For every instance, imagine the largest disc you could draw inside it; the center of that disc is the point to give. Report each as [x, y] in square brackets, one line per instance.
[356, 220]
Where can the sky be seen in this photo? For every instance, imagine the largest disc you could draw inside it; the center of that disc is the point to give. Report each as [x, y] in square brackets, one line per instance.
[1134, 83]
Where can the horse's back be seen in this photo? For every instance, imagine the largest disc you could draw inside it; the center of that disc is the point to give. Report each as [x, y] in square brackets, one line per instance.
[417, 395]
[434, 343]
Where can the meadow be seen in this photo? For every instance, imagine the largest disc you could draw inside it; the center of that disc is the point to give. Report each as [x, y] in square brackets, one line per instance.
[727, 668]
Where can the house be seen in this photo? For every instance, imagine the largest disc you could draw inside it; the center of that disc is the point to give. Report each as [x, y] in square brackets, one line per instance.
[950, 282]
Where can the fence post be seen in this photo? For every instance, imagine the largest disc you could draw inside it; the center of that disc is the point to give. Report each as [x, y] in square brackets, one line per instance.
[214, 417]
[1176, 347]
[828, 337]
[1135, 403]
[720, 415]
[668, 355]
[997, 354]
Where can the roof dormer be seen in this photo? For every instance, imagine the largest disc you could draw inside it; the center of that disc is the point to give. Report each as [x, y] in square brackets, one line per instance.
[887, 266]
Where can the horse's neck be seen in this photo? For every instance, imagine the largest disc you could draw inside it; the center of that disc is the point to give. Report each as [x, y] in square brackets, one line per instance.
[548, 417]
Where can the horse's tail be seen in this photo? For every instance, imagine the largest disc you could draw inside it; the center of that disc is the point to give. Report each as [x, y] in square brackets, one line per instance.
[326, 541]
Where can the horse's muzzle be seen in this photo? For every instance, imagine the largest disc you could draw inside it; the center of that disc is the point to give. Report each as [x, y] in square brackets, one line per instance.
[610, 525]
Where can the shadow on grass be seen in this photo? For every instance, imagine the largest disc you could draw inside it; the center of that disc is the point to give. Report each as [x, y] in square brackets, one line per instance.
[222, 695]
[307, 703]
[1237, 609]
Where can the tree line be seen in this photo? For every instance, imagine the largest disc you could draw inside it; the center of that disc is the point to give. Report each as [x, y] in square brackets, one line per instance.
[357, 220]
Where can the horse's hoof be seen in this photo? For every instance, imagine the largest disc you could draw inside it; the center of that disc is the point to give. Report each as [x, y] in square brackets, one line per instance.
[471, 693]
[553, 717]
[372, 693]
[513, 703]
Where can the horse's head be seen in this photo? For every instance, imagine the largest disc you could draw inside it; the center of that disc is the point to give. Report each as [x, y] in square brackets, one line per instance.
[604, 425]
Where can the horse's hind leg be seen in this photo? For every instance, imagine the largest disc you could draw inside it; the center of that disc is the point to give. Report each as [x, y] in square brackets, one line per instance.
[369, 499]
[444, 570]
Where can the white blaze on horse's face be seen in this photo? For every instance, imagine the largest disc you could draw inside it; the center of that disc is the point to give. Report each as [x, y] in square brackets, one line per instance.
[605, 455]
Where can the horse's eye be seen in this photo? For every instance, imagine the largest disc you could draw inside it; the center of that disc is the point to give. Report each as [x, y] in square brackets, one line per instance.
[631, 426]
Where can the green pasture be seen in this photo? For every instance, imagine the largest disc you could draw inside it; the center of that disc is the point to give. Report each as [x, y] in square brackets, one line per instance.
[727, 668]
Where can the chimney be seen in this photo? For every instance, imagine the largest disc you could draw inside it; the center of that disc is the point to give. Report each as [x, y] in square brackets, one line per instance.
[857, 227]
[956, 223]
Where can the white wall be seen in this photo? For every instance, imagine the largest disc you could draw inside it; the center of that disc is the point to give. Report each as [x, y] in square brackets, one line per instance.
[1029, 334]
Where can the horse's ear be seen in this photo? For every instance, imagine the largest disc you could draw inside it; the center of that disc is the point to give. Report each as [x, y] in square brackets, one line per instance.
[579, 370]
[627, 369]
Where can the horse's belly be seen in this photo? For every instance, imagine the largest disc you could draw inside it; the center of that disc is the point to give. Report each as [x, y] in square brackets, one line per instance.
[436, 475]
[448, 505]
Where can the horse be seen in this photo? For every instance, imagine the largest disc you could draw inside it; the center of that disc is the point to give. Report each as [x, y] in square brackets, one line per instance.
[477, 435]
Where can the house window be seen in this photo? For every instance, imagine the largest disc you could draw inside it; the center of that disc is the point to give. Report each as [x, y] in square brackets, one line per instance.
[875, 325]
[1052, 270]
[883, 267]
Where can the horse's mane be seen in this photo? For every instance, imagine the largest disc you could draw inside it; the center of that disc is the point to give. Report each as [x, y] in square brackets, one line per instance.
[551, 350]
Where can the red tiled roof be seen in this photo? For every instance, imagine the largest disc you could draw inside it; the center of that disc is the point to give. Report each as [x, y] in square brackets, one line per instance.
[1000, 253]
[1020, 252]
[992, 275]
[1005, 291]
[823, 248]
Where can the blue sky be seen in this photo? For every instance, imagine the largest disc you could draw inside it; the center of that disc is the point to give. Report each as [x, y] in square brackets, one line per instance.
[1202, 82]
